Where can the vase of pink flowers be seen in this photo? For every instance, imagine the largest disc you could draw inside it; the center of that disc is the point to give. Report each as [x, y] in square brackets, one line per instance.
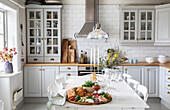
[7, 57]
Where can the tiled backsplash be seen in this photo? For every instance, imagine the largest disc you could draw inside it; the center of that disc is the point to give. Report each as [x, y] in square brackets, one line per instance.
[73, 18]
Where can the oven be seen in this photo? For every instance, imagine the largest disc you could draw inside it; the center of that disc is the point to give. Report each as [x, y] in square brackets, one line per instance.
[88, 70]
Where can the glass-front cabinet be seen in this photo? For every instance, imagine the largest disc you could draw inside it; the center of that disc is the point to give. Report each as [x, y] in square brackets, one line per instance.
[129, 26]
[137, 26]
[146, 25]
[44, 34]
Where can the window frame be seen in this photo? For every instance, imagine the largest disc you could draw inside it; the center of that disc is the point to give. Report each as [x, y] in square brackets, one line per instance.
[5, 31]
[5, 27]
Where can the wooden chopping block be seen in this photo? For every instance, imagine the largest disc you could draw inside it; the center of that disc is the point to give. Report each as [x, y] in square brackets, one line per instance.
[73, 46]
[65, 51]
[71, 56]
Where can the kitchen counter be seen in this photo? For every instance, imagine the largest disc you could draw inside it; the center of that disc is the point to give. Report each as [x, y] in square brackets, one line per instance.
[166, 65]
[59, 64]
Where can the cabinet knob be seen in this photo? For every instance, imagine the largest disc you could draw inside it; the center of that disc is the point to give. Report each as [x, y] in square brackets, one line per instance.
[168, 92]
[68, 68]
[42, 38]
[169, 71]
[168, 85]
[35, 59]
[136, 38]
[139, 39]
[52, 59]
[147, 69]
[45, 38]
[40, 69]
[68, 74]
[168, 78]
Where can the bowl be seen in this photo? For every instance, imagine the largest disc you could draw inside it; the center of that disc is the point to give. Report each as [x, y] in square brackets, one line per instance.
[89, 89]
[163, 59]
[149, 59]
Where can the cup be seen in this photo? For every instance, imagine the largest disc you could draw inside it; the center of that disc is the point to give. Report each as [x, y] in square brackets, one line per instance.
[135, 61]
[130, 61]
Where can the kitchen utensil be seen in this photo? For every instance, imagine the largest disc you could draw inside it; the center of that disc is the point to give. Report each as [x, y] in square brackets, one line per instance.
[135, 61]
[163, 59]
[130, 61]
[149, 59]
[65, 51]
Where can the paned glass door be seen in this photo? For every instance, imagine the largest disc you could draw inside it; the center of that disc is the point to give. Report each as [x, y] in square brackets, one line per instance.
[35, 32]
[129, 26]
[146, 24]
[51, 32]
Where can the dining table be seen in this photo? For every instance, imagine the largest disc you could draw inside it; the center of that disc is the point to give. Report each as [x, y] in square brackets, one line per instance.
[123, 96]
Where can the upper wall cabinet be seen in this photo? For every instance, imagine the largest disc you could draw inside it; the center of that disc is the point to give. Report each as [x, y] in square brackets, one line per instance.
[162, 25]
[44, 33]
[137, 25]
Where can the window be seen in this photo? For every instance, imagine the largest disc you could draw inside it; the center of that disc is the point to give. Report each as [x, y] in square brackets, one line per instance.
[2, 35]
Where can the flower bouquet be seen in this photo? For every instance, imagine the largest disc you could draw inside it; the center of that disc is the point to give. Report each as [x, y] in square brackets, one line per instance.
[7, 56]
[113, 58]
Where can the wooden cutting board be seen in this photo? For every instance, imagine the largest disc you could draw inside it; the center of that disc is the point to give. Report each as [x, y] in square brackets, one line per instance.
[73, 46]
[65, 51]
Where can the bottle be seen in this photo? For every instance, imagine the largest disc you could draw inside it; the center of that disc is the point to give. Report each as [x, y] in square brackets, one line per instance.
[85, 58]
[81, 57]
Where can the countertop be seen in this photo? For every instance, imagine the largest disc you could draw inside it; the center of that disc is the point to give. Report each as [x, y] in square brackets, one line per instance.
[166, 65]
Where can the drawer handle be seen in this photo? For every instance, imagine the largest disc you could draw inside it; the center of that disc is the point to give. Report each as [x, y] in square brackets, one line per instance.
[168, 78]
[168, 85]
[42, 69]
[68, 74]
[168, 92]
[35, 59]
[68, 68]
[169, 71]
[52, 59]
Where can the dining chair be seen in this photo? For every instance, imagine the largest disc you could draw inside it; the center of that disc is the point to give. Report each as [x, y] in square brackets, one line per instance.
[52, 90]
[126, 76]
[144, 91]
[134, 83]
[1, 105]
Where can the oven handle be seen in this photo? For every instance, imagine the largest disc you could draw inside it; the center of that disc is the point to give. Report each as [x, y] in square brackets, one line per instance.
[89, 72]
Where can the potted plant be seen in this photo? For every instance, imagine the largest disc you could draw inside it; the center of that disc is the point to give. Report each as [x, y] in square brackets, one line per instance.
[112, 58]
[7, 56]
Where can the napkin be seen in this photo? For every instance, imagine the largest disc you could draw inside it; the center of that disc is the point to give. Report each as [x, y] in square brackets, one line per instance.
[57, 99]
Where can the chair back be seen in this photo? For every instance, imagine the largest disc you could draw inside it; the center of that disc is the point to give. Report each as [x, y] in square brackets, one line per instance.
[133, 82]
[1, 105]
[126, 76]
[144, 91]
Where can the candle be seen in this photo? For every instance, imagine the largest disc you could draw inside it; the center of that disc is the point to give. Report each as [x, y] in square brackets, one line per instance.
[98, 56]
[94, 56]
[91, 56]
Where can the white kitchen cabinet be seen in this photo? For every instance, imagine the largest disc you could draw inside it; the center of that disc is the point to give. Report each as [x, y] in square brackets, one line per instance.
[37, 79]
[32, 81]
[49, 74]
[162, 32]
[137, 72]
[137, 25]
[44, 33]
[162, 72]
[151, 80]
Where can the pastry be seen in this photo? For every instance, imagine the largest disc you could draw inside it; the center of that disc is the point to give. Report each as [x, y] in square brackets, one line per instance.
[71, 93]
[80, 91]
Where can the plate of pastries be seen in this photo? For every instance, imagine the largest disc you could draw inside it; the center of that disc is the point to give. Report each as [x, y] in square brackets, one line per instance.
[84, 96]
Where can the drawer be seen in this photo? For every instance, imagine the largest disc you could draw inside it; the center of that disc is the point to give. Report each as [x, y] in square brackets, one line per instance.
[52, 59]
[168, 78]
[68, 73]
[35, 59]
[168, 71]
[167, 95]
[168, 85]
[68, 68]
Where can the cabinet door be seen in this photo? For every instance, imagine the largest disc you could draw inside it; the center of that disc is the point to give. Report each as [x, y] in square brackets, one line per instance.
[146, 26]
[32, 81]
[35, 32]
[48, 77]
[151, 80]
[129, 26]
[162, 27]
[137, 72]
[52, 32]
[162, 72]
